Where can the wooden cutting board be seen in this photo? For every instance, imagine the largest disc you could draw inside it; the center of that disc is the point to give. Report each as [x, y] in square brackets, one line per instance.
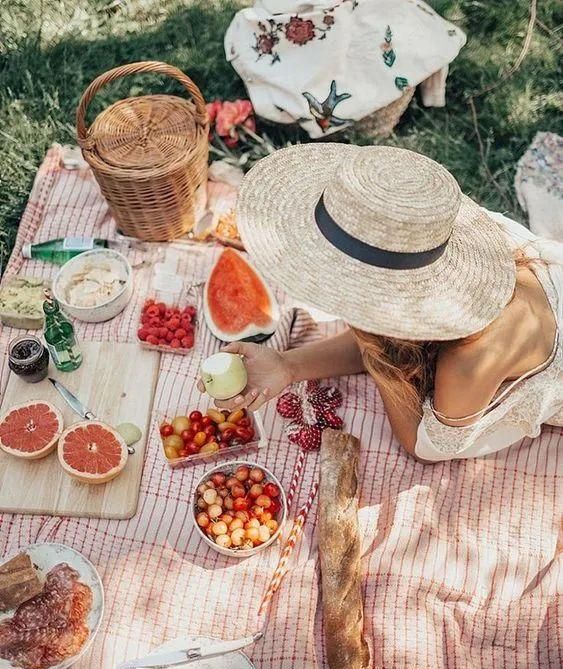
[115, 381]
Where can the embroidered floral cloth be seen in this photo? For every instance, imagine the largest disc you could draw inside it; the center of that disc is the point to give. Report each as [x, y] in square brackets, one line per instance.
[461, 563]
[325, 64]
[539, 185]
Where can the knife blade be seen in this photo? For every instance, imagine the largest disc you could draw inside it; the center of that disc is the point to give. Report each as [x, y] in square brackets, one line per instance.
[188, 655]
[73, 402]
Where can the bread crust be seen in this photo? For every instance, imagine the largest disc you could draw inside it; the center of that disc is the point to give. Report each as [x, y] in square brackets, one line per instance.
[339, 548]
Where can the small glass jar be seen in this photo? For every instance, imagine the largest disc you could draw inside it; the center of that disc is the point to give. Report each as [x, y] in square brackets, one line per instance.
[28, 358]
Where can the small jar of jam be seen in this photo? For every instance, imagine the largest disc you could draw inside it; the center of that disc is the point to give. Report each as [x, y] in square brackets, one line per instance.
[28, 358]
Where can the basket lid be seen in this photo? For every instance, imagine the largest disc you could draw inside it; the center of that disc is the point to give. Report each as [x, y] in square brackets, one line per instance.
[145, 132]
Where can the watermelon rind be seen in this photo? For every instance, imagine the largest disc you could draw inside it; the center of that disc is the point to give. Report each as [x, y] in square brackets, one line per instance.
[251, 333]
[48, 448]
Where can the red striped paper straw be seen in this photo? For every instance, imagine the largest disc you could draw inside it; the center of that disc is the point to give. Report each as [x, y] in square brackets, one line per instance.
[282, 567]
[296, 478]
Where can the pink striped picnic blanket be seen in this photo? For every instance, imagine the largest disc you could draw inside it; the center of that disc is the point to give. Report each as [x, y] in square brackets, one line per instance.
[461, 560]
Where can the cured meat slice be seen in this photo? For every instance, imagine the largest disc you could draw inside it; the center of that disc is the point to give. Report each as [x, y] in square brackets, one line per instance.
[52, 626]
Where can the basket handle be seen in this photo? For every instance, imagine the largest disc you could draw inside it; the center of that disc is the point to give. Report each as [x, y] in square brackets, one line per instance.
[123, 71]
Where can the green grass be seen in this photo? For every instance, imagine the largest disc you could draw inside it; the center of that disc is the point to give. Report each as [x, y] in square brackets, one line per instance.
[51, 49]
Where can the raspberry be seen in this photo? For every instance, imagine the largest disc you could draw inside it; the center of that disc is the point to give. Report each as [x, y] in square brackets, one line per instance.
[289, 406]
[328, 418]
[142, 333]
[308, 437]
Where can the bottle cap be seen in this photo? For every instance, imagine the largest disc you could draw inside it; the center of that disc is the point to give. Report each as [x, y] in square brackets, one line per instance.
[26, 250]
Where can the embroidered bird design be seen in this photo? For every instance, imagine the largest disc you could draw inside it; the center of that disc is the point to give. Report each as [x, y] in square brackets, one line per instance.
[322, 112]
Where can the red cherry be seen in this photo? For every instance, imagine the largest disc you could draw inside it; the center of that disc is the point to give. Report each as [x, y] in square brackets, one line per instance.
[271, 489]
[196, 424]
[238, 491]
[166, 430]
[240, 504]
[219, 478]
[275, 506]
[184, 453]
[244, 422]
[195, 415]
[243, 433]
[206, 420]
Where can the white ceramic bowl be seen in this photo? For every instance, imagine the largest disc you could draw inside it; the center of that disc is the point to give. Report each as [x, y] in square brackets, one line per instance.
[105, 310]
[282, 515]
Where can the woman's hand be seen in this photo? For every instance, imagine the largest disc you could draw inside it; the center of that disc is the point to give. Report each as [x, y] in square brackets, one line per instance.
[268, 374]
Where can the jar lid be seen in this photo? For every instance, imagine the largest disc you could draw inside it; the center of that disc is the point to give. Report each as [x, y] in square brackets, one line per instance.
[145, 132]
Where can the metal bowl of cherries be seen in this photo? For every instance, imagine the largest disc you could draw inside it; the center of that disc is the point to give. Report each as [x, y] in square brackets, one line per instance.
[239, 508]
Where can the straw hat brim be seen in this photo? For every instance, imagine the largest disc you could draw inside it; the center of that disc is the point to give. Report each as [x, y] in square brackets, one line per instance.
[458, 295]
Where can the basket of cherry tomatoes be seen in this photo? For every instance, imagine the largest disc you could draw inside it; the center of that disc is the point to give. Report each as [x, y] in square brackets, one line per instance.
[209, 433]
[239, 508]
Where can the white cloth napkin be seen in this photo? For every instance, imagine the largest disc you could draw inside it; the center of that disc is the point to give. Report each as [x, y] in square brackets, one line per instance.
[325, 64]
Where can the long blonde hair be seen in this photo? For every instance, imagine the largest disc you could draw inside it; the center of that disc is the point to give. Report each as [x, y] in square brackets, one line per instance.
[405, 368]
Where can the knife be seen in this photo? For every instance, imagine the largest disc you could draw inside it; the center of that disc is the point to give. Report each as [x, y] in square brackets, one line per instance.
[73, 402]
[182, 657]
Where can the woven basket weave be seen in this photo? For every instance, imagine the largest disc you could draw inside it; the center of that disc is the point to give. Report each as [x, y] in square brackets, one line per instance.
[148, 154]
[382, 122]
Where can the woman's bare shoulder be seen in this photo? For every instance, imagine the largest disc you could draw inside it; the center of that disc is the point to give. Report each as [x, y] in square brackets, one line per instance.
[467, 378]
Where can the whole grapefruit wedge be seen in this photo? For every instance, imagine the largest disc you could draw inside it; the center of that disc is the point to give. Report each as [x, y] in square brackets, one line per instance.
[92, 452]
[30, 430]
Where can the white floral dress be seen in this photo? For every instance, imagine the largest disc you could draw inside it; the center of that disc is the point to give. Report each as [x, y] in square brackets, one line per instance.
[327, 63]
[520, 408]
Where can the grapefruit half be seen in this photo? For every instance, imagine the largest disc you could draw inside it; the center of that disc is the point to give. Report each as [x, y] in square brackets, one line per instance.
[92, 452]
[31, 430]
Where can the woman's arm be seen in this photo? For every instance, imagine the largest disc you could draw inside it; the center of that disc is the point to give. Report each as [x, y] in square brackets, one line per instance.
[337, 356]
[270, 371]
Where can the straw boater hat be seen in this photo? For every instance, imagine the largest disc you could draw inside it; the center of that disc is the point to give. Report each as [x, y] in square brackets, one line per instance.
[381, 237]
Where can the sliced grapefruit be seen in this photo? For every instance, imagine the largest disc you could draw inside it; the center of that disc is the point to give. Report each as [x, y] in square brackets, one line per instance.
[92, 452]
[31, 430]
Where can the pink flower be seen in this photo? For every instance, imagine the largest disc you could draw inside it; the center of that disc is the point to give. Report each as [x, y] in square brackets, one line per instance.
[233, 115]
[213, 109]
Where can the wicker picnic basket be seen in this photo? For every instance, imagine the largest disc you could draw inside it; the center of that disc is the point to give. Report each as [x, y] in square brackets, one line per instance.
[382, 122]
[148, 154]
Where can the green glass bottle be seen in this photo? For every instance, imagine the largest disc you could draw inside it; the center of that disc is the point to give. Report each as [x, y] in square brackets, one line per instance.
[59, 336]
[58, 251]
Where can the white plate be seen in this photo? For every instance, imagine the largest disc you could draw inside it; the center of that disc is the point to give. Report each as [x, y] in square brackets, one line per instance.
[46, 556]
[237, 660]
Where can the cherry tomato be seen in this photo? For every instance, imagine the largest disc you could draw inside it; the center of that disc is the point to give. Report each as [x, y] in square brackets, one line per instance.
[166, 430]
[200, 438]
[205, 420]
[271, 489]
[188, 435]
[197, 426]
[228, 434]
[195, 415]
[240, 504]
[243, 433]
[192, 447]
[210, 429]
[244, 422]
[183, 453]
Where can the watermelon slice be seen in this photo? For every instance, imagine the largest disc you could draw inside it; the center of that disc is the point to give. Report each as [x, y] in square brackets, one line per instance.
[238, 304]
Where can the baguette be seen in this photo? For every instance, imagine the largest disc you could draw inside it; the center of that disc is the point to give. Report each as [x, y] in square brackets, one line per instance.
[339, 548]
